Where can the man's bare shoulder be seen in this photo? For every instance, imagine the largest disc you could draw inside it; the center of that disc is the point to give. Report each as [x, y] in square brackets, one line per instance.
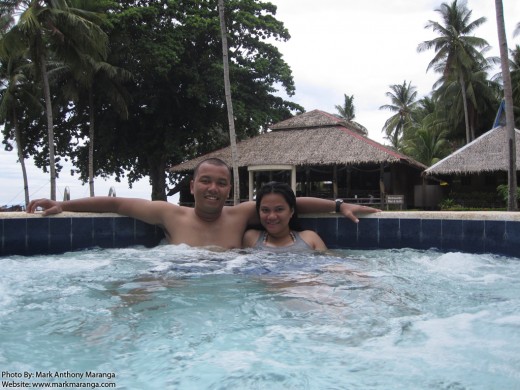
[243, 211]
[240, 208]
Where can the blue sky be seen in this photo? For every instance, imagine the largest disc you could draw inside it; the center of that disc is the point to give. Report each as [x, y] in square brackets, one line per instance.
[336, 47]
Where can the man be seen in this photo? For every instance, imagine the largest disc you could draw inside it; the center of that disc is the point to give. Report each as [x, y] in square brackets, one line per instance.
[209, 223]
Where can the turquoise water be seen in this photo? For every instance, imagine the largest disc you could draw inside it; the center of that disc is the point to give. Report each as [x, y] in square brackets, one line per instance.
[175, 317]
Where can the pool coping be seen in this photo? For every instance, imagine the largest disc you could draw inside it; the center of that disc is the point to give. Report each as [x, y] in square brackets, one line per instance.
[495, 232]
[471, 215]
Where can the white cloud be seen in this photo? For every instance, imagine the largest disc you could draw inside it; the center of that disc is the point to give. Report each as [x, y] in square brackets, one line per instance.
[361, 48]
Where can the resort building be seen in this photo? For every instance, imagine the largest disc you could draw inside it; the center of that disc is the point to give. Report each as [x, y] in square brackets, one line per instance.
[474, 171]
[324, 156]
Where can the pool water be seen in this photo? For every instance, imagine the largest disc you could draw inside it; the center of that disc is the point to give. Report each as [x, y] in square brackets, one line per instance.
[175, 317]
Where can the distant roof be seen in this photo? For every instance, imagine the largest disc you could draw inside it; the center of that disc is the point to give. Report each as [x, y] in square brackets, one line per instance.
[487, 153]
[310, 139]
[314, 118]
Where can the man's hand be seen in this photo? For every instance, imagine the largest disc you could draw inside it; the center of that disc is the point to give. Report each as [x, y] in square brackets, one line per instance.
[49, 206]
[350, 210]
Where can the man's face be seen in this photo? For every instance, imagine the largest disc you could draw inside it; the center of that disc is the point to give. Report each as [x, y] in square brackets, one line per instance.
[211, 187]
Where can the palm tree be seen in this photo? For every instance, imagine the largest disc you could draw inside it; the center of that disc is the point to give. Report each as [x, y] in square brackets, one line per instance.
[427, 142]
[481, 99]
[348, 113]
[456, 48]
[54, 28]
[403, 103]
[229, 104]
[15, 95]
[95, 82]
[515, 80]
[508, 96]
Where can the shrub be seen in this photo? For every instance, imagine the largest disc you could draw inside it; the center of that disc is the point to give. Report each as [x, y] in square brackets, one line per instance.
[503, 191]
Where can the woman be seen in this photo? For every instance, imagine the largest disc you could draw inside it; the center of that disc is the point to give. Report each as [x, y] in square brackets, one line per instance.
[276, 208]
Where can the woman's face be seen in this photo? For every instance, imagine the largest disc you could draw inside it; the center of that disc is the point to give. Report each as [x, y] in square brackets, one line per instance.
[275, 214]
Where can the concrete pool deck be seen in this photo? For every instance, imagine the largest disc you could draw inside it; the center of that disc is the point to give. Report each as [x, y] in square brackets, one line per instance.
[496, 232]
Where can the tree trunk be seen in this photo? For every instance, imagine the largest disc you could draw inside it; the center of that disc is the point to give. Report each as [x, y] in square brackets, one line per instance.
[50, 125]
[512, 204]
[229, 104]
[91, 142]
[18, 140]
[465, 105]
[158, 179]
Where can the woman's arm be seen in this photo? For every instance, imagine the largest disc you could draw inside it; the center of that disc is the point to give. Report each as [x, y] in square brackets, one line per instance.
[316, 205]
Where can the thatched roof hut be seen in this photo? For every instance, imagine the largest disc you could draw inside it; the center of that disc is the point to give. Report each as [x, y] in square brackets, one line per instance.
[315, 138]
[317, 147]
[487, 153]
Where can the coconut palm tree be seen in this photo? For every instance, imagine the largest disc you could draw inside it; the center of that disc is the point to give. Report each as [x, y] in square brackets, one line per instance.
[457, 49]
[403, 101]
[229, 103]
[512, 204]
[426, 139]
[54, 28]
[96, 82]
[481, 100]
[15, 96]
[348, 113]
[514, 64]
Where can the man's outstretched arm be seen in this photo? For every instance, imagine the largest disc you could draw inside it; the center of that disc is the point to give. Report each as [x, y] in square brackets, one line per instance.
[142, 209]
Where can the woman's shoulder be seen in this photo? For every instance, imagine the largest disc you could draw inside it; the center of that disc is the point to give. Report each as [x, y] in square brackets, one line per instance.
[308, 234]
[313, 239]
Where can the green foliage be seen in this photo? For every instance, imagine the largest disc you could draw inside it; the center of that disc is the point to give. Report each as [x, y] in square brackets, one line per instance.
[448, 204]
[425, 137]
[173, 108]
[458, 54]
[348, 112]
[403, 101]
[514, 64]
[178, 103]
[503, 191]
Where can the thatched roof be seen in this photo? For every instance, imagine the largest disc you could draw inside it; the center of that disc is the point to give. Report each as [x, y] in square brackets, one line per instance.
[315, 118]
[315, 138]
[487, 153]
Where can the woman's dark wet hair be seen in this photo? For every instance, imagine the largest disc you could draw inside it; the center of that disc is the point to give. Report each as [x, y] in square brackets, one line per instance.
[275, 187]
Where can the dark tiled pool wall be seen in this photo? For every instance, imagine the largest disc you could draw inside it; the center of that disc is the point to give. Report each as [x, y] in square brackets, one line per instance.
[27, 236]
[471, 236]
[30, 236]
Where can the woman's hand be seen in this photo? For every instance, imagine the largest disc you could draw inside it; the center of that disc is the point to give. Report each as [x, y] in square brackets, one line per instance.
[350, 210]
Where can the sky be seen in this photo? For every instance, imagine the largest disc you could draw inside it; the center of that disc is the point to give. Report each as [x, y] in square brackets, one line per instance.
[337, 47]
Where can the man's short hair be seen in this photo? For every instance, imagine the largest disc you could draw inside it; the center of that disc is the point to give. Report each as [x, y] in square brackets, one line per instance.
[213, 161]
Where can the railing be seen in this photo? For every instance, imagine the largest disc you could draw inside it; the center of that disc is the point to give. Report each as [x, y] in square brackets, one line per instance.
[386, 201]
[66, 193]
[369, 200]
